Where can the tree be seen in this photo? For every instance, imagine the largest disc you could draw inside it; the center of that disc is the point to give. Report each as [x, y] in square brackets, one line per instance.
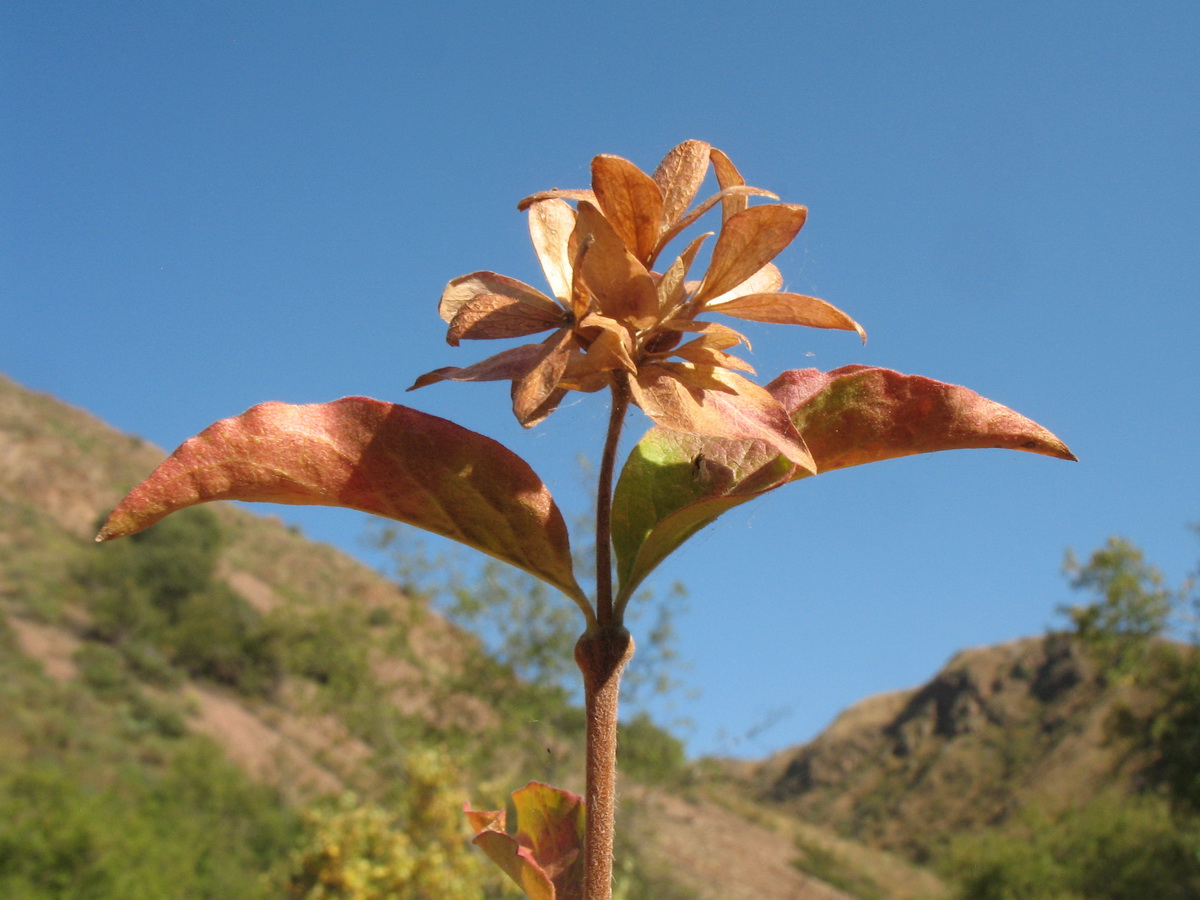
[1132, 604]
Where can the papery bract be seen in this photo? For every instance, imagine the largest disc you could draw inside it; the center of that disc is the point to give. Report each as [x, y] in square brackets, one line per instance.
[368, 455]
[545, 857]
[674, 484]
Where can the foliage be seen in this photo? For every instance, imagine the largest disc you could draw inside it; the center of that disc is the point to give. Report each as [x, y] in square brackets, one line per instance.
[157, 600]
[363, 851]
[98, 799]
[827, 864]
[1113, 848]
[1131, 606]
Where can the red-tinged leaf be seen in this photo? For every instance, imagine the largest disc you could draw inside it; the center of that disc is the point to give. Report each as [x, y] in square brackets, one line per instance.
[506, 365]
[466, 288]
[787, 309]
[672, 485]
[622, 286]
[679, 177]
[747, 242]
[728, 176]
[717, 403]
[670, 489]
[371, 456]
[550, 225]
[556, 194]
[490, 316]
[859, 414]
[630, 200]
[545, 857]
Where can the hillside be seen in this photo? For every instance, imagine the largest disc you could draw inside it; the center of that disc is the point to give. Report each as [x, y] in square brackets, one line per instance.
[995, 729]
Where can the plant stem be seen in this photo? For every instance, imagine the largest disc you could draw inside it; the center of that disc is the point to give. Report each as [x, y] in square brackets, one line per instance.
[601, 653]
[604, 492]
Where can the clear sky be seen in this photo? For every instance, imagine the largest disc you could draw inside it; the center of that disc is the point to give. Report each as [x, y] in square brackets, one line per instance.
[208, 205]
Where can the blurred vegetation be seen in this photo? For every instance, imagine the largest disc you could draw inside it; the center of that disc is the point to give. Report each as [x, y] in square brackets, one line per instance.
[413, 851]
[1118, 844]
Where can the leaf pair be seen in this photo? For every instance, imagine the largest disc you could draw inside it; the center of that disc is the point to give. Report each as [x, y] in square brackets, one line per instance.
[407, 465]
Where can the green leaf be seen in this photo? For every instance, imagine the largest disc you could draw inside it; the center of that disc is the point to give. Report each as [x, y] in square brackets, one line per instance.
[545, 858]
[377, 457]
[674, 484]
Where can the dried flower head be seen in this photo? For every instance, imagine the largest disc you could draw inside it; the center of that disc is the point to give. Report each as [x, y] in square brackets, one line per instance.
[615, 322]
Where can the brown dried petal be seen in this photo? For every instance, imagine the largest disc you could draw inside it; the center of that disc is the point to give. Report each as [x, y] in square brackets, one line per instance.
[506, 365]
[719, 403]
[623, 288]
[728, 176]
[541, 381]
[673, 231]
[698, 327]
[465, 288]
[491, 316]
[550, 225]
[703, 354]
[672, 287]
[765, 280]
[788, 309]
[747, 242]
[630, 200]
[556, 194]
[679, 176]
[612, 347]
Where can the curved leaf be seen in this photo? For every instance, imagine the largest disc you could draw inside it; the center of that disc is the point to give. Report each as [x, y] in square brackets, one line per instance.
[368, 455]
[673, 484]
[861, 414]
[545, 858]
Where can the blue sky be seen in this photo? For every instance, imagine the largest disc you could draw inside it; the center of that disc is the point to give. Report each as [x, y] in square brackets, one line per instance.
[208, 205]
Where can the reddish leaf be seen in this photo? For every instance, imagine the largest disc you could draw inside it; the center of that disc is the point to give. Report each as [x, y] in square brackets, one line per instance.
[372, 456]
[860, 414]
[545, 858]
[674, 484]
